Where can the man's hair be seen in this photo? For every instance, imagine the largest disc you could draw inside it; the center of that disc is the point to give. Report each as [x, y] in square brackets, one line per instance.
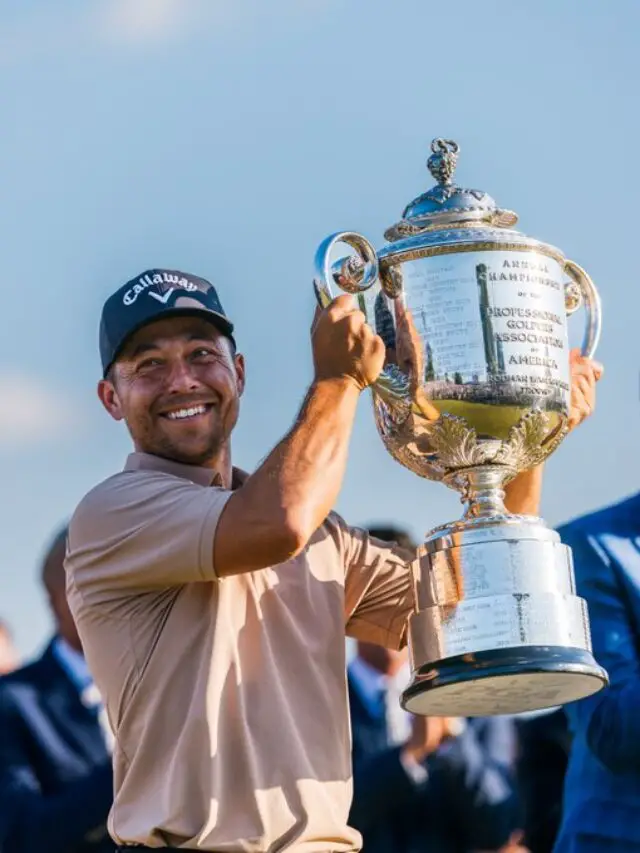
[391, 533]
[50, 572]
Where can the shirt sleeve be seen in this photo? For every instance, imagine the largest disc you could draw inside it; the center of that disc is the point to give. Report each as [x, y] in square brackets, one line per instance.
[379, 588]
[143, 531]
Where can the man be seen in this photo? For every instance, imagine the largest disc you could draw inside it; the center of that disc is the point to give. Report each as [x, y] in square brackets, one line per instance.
[415, 777]
[212, 606]
[8, 652]
[602, 790]
[56, 784]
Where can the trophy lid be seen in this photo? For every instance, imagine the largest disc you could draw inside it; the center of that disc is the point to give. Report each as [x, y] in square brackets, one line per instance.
[447, 204]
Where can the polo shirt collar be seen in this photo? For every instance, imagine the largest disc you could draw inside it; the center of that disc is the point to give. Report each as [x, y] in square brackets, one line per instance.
[150, 462]
[198, 475]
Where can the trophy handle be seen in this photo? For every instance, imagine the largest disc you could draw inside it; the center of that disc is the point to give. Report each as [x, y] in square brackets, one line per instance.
[355, 275]
[583, 288]
[352, 275]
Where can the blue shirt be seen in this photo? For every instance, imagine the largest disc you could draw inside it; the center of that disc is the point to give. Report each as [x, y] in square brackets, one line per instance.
[75, 666]
[73, 663]
[602, 788]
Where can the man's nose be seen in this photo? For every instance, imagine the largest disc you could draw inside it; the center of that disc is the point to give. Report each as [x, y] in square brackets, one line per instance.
[182, 377]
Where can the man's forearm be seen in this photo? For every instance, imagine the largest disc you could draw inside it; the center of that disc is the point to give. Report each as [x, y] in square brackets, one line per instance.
[523, 493]
[280, 506]
[305, 472]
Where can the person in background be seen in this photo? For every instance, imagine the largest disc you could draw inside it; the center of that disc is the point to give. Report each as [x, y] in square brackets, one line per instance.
[602, 788]
[544, 745]
[9, 659]
[428, 784]
[55, 767]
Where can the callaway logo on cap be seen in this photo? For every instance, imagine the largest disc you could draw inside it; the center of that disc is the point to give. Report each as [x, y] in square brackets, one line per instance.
[153, 295]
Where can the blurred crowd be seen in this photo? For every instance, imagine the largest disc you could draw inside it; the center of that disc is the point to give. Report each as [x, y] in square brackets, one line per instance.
[562, 779]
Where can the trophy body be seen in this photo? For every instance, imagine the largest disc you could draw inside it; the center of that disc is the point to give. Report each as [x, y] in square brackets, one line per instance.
[476, 389]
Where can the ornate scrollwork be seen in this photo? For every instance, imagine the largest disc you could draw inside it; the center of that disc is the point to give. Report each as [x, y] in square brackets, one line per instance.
[443, 160]
[573, 297]
[525, 446]
[453, 446]
[456, 444]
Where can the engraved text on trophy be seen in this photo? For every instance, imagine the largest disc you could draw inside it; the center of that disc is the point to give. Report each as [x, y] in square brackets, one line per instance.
[493, 329]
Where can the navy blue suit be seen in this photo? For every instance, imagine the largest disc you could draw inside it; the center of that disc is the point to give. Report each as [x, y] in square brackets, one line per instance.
[545, 745]
[468, 802]
[602, 790]
[56, 783]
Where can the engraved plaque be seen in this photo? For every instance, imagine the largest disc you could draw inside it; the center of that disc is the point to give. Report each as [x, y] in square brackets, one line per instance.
[493, 328]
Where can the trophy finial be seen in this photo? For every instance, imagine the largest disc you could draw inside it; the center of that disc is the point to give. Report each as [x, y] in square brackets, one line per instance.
[443, 161]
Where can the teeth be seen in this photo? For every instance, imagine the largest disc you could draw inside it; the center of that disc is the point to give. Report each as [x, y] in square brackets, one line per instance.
[187, 413]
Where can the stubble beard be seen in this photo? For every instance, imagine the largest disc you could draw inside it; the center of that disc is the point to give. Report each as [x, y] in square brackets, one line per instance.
[200, 452]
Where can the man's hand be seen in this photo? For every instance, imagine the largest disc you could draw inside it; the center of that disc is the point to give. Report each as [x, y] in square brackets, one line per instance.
[345, 346]
[427, 734]
[514, 845]
[584, 374]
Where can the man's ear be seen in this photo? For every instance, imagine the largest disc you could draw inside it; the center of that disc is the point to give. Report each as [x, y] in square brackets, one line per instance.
[238, 361]
[109, 398]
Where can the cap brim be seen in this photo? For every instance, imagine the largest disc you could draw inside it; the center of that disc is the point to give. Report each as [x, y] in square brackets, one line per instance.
[218, 321]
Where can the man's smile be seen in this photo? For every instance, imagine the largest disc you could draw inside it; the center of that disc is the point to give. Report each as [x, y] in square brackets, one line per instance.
[185, 413]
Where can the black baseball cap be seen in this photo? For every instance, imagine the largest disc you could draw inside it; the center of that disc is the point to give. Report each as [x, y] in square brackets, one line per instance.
[154, 295]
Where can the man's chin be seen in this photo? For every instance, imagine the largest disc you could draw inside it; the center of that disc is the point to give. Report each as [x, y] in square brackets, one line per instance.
[195, 453]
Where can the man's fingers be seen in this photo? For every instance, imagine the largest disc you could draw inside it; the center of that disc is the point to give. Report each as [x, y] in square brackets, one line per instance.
[316, 317]
[379, 348]
[582, 400]
[584, 385]
[342, 305]
[582, 364]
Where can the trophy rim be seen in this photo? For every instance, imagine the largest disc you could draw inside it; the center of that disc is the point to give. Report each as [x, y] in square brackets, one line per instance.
[515, 662]
[469, 531]
[392, 255]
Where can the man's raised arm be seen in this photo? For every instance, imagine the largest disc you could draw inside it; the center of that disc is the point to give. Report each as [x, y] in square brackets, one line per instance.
[271, 518]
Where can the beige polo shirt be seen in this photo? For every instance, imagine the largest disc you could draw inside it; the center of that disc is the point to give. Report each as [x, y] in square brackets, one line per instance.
[227, 697]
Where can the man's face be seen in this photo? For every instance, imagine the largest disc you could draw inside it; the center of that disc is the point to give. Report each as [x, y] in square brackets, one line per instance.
[8, 653]
[177, 385]
[65, 623]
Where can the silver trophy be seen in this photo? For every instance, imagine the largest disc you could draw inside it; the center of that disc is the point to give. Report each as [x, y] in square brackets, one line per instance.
[476, 388]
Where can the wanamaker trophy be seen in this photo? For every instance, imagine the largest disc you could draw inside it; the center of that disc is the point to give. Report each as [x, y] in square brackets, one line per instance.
[475, 389]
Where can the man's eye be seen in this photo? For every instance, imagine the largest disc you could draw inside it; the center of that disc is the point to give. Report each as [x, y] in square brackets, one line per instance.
[149, 363]
[202, 352]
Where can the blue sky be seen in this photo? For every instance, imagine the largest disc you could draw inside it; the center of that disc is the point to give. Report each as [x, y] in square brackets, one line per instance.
[227, 139]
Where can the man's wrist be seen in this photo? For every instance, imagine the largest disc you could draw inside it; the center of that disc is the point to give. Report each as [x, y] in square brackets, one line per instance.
[523, 493]
[343, 384]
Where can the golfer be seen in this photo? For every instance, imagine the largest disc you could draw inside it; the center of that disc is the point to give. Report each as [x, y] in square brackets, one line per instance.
[212, 606]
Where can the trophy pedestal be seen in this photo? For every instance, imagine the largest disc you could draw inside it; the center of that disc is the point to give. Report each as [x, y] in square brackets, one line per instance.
[498, 629]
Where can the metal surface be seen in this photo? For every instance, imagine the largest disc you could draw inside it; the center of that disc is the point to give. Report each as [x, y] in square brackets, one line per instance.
[475, 389]
[493, 594]
[512, 693]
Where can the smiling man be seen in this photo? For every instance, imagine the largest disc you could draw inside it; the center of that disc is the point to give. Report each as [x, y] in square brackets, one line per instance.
[213, 606]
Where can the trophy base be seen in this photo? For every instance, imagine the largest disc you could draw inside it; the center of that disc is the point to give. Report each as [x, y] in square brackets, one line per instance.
[504, 681]
[498, 627]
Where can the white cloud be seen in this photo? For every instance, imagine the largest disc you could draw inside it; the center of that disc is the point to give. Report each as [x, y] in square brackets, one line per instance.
[42, 28]
[146, 21]
[30, 411]
[46, 29]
